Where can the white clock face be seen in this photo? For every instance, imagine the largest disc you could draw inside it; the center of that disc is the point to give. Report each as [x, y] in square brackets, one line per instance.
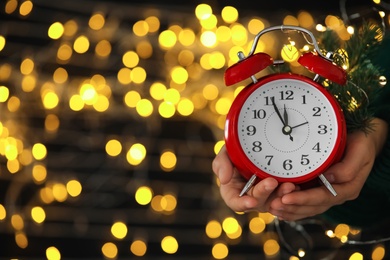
[287, 128]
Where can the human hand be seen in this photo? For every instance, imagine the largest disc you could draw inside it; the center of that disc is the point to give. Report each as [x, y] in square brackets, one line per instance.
[257, 198]
[347, 177]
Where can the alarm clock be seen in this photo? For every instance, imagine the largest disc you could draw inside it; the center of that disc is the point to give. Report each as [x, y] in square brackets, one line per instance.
[285, 125]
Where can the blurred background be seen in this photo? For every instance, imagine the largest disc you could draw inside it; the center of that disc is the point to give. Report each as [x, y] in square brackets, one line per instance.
[111, 113]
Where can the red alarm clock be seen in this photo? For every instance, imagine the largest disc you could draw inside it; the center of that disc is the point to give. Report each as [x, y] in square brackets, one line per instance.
[286, 126]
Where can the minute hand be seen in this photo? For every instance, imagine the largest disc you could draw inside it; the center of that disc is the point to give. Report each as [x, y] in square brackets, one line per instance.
[299, 125]
[277, 110]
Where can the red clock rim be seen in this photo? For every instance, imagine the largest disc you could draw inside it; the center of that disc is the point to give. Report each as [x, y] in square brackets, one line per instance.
[242, 162]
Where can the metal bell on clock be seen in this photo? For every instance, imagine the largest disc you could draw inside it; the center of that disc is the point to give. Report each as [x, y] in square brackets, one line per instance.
[247, 67]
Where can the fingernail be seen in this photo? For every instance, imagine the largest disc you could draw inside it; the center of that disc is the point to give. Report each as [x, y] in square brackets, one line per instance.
[330, 178]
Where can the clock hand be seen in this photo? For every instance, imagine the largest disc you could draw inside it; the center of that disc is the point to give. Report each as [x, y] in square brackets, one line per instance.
[286, 129]
[277, 110]
[285, 116]
[299, 125]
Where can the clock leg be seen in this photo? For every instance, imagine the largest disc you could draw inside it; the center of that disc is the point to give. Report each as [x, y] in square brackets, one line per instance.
[327, 184]
[248, 185]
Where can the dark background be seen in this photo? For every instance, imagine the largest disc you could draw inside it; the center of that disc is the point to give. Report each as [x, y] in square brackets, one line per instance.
[80, 226]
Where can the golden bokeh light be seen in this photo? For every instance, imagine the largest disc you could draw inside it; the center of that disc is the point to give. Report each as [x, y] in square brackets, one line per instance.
[141, 28]
[64, 52]
[70, 28]
[144, 49]
[27, 66]
[290, 20]
[52, 123]
[167, 39]
[38, 214]
[17, 222]
[103, 48]
[185, 107]
[74, 188]
[113, 147]
[213, 229]
[187, 37]
[168, 160]
[257, 225]
[138, 248]
[203, 11]
[11, 6]
[3, 212]
[255, 26]
[271, 247]
[136, 154]
[76, 103]
[144, 107]
[208, 39]
[56, 30]
[110, 250]
[356, 256]
[39, 173]
[169, 244]
[220, 251]
[138, 75]
[172, 95]
[143, 195]
[124, 76]
[166, 109]
[60, 193]
[157, 90]
[229, 14]
[209, 23]
[21, 239]
[81, 44]
[153, 23]
[130, 59]
[119, 230]
[132, 98]
[39, 151]
[2, 42]
[25, 8]
[52, 253]
[97, 21]
[378, 253]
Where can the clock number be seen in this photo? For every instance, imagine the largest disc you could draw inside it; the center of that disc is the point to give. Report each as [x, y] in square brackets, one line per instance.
[259, 114]
[317, 147]
[286, 95]
[304, 100]
[317, 111]
[287, 165]
[269, 157]
[268, 101]
[323, 129]
[256, 146]
[251, 130]
[304, 159]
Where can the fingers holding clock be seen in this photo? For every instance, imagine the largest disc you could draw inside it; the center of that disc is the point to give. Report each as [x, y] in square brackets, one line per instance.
[231, 184]
[222, 166]
[301, 204]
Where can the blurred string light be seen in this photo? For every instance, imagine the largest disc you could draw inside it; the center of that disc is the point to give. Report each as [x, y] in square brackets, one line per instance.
[188, 83]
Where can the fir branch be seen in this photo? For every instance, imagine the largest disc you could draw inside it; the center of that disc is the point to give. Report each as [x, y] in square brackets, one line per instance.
[363, 76]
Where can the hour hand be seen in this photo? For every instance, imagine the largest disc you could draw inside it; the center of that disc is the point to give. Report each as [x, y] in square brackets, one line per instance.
[285, 115]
